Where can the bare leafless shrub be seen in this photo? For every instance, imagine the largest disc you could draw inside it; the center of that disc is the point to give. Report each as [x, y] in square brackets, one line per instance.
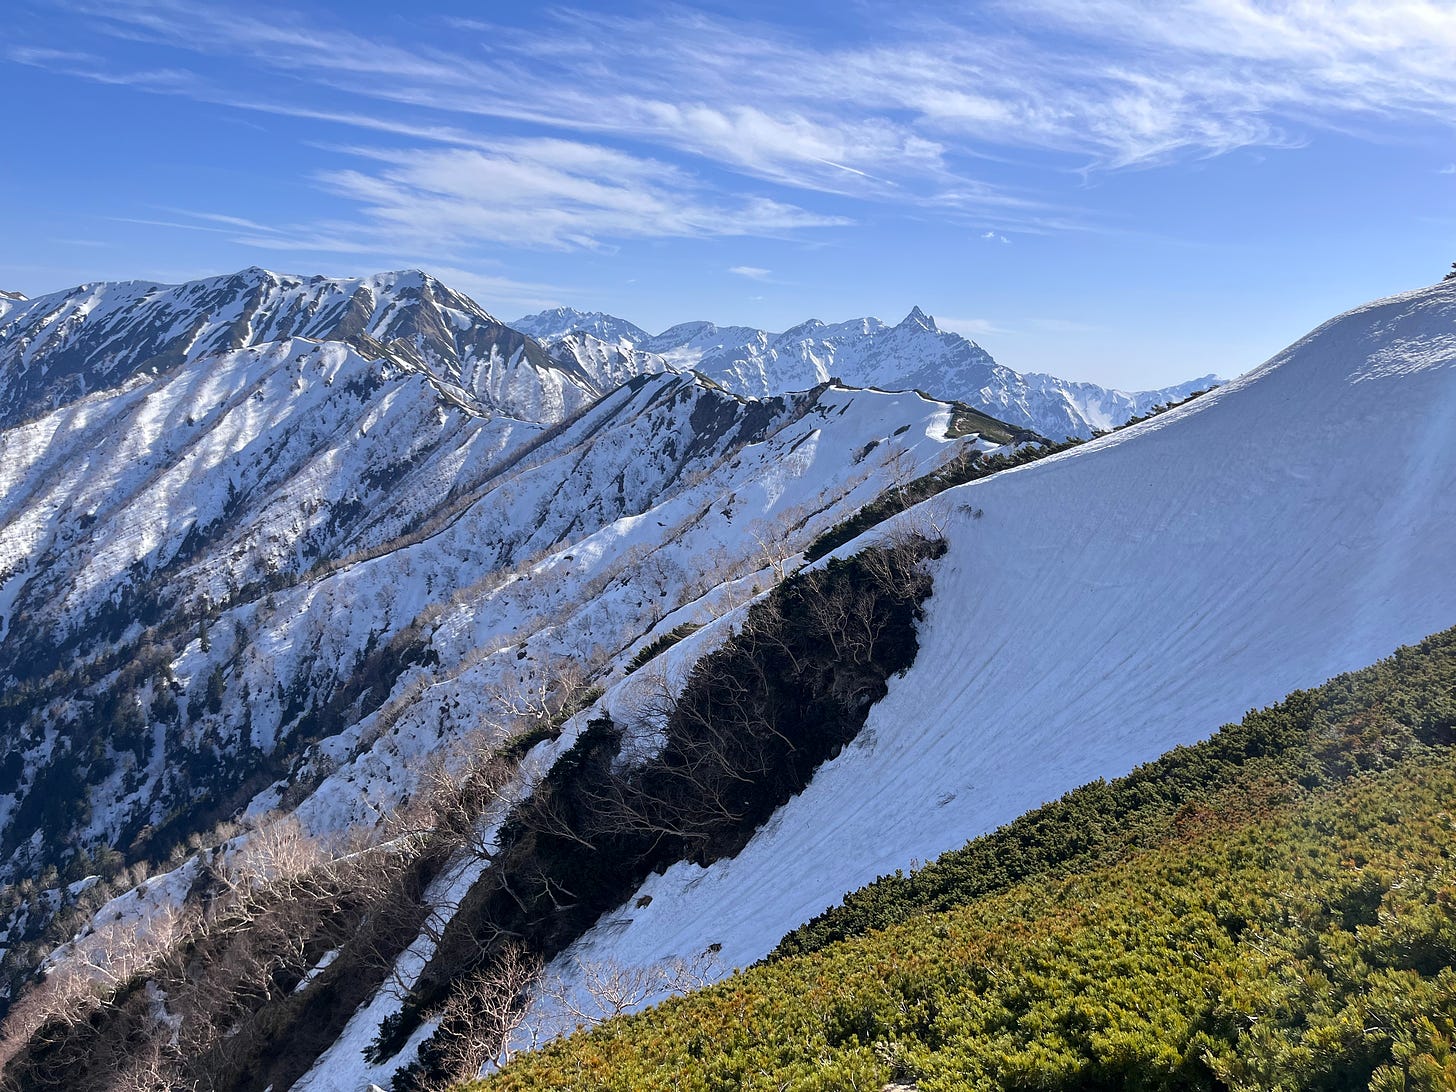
[479, 1023]
[593, 990]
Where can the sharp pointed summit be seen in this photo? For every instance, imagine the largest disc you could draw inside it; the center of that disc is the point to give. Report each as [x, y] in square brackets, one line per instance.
[913, 355]
[919, 318]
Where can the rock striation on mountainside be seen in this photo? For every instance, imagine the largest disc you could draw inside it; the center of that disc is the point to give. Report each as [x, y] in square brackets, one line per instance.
[915, 354]
[246, 524]
[294, 580]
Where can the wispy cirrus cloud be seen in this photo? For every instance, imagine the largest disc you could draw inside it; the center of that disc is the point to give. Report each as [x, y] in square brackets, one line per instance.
[752, 272]
[99, 70]
[673, 124]
[549, 193]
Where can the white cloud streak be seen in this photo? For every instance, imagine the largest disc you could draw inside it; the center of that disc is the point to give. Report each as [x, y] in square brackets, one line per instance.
[1123, 81]
[547, 193]
[907, 118]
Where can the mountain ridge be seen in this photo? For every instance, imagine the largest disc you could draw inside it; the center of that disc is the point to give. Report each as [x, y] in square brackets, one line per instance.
[56, 348]
[866, 352]
[315, 573]
[1136, 566]
[204, 564]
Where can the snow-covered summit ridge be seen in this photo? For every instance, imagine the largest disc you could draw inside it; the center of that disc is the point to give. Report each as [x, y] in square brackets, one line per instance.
[865, 352]
[59, 347]
[556, 323]
[63, 346]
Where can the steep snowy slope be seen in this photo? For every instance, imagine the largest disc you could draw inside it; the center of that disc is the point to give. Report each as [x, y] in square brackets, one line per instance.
[1098, 608]
[677, 492]
[58, 347]
[601, 364]
[315, 505]
[291, 562]
[913, 355]
[668, 502]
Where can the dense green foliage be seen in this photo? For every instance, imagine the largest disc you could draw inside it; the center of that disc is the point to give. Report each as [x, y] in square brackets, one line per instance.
[1364, 720]
[1273, 909]
[657, 646]
[690, 777]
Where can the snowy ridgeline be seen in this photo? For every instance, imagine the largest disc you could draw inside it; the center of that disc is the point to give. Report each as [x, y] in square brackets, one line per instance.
[58, 348]
[913, 355]
[268, 521]
[1095, 610]
[215, 556]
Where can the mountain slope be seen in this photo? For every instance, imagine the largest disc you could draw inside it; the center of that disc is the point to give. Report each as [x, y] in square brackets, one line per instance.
[1270, 903]
[279, 576]
[915, 354]
[56, 348]
[1091, 610]
[1098, 607]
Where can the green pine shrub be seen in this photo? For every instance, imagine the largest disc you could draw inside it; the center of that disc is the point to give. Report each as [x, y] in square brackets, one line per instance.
[1272, 909]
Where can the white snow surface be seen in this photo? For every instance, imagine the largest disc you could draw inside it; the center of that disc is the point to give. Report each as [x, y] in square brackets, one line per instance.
[1111, 603]
[912, 355]
[57, 348]
[1106, 604]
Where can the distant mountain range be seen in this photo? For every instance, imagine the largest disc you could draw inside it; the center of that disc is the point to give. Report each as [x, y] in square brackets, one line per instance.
[541, 368]
[915, 354]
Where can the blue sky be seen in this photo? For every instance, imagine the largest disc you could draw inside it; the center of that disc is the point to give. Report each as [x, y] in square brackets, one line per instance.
[1128, 191]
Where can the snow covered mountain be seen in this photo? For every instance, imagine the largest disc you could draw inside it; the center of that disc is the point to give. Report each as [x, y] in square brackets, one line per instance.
[1099, 607]
[278, 574]
[1093, 610]
[556, 323]
[56, 348]
[913, 355]
[290, 577]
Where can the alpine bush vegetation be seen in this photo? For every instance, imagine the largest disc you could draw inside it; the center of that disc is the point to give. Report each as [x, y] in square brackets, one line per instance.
[1270, 909]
